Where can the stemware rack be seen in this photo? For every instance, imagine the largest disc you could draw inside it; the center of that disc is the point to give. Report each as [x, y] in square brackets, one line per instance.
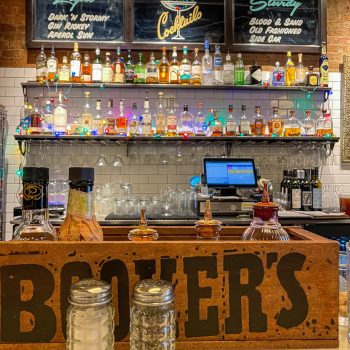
[3, 131]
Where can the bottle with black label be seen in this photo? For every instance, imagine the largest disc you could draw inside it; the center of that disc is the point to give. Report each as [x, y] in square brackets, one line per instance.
[283, 182]
[297, 190]
[316, 191]
[306, 197]
[255, 74]
[35, 208]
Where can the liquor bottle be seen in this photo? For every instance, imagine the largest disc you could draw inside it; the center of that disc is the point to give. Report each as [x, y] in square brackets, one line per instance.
[185, 68]
[218, 73]
[186, 122]
[64, 71]
[52, 66]
[110, 119]
[200, 125]
[98, 122]
[297, 190]
[121, 120]
[35, 209]
[239, 70]
[278, 75]
[171, 119]
[41, 66]
[300, 72]
[164, 68]
[258, 124]
[306, 195]
[255, 74]
[231, 123]
[276, 124]
[75, 64]
[160, 116]
[312, 77]
[129, 69]
[308, 127]
[60, 117]
[119, 68]
[80, 223]
[107, 69]
[97, 67]
[86, 69]
[48, 116]
[283, 182]
[134, 124]
[151, 71]
[216, 127]
[36, 119]
[76, 127]
[139, 71]
[146, 123]
[324, 125]
[229, 70]
[196, 69]
[292, 125]
[244, 124]
[324, 66]
[207, 66]
[316, 190]
[86, 117]
[174, 68]
[289, 70]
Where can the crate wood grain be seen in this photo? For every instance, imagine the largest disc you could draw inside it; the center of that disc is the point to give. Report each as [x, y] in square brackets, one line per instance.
[229, 294]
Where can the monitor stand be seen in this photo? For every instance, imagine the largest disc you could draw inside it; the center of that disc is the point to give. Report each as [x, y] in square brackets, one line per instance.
[228, 192]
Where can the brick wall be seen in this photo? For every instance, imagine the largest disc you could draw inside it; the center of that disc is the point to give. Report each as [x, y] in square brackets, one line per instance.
[14, 54]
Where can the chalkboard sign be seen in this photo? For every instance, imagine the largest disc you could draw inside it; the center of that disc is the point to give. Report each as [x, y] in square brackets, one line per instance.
[272, 25]
[61, 21]
[179, 21]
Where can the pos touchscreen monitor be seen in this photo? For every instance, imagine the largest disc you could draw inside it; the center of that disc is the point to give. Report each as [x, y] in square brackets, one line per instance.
[230, 173]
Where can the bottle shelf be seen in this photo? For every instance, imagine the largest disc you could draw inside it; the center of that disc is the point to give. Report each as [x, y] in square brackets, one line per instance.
[176, 86]
[190, 139]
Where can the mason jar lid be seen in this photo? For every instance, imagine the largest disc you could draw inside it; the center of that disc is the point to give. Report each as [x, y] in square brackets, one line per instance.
[153, 292]
[90, 292]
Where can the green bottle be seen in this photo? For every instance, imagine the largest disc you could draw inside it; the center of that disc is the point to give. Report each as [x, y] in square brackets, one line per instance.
[239, 70]
[140, 71]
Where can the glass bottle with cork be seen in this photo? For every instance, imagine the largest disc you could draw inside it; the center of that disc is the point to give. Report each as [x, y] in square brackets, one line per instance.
[324, 125]
[41, 66]
[146, 121]
[52, 66]
[276, 124]
[35, 208]
[300, 72]
[258, 123]
[292, 126]
[171, 119]
[86, 69]
[110, 119]
[86, 117]
[289, 70]
[196, 69]
[152, 71]
[60, 116]
[107, 69]
[308, 127]
[164, 68]
[160, 116]
[75, 64]
[80, 223]
[97, 67]
[119, 68]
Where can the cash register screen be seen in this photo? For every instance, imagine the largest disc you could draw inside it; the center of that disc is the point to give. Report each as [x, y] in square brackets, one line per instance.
[230, 172]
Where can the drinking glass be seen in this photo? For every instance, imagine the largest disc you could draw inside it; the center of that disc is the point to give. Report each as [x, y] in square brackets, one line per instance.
[126, 190]
[167, 194]
[102, 160]
[164, 157]
[179, 156]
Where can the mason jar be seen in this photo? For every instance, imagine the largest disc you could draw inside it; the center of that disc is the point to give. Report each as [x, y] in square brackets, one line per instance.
[90, 316]
[152, 316]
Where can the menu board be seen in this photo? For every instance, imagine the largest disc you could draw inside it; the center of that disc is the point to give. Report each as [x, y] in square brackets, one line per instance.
[77, 20]
[276, 22]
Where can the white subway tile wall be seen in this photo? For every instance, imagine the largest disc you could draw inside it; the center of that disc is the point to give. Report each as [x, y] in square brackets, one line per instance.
[141, 165]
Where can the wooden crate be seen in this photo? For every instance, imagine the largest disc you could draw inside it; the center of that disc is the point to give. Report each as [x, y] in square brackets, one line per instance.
[229, 294]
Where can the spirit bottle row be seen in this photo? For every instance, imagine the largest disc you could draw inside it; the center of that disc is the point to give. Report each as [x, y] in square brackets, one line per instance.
[210, 70]
[51, 119]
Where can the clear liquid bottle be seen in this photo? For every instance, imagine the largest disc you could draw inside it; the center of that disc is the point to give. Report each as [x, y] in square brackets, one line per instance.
[278, 75]
[97, 67]
[110, 119]
[171, 120]
[174, 67]
[216, 126]
[196, 69]
[292, 126]
[75, 64]
[41, 66]
[200, 124]
[207, 66]
[134, 124]
[218, 68]
[185, 68]
[35, 209]
[276, 124]
[107, 69]
[239, 70]
[228, 70]
[244, 124]
[60, 116]
[231, 123]
[186, 123]
[140, 71]
[52, 66]
[146, 122]
[152, 71]
[308, 126]
[160, 116]
[121, 120]
[48, 116]
[300, 72]
[129, 69]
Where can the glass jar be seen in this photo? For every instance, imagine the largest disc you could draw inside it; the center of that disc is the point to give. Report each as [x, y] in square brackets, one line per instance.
[90, 316]
[152, 316]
